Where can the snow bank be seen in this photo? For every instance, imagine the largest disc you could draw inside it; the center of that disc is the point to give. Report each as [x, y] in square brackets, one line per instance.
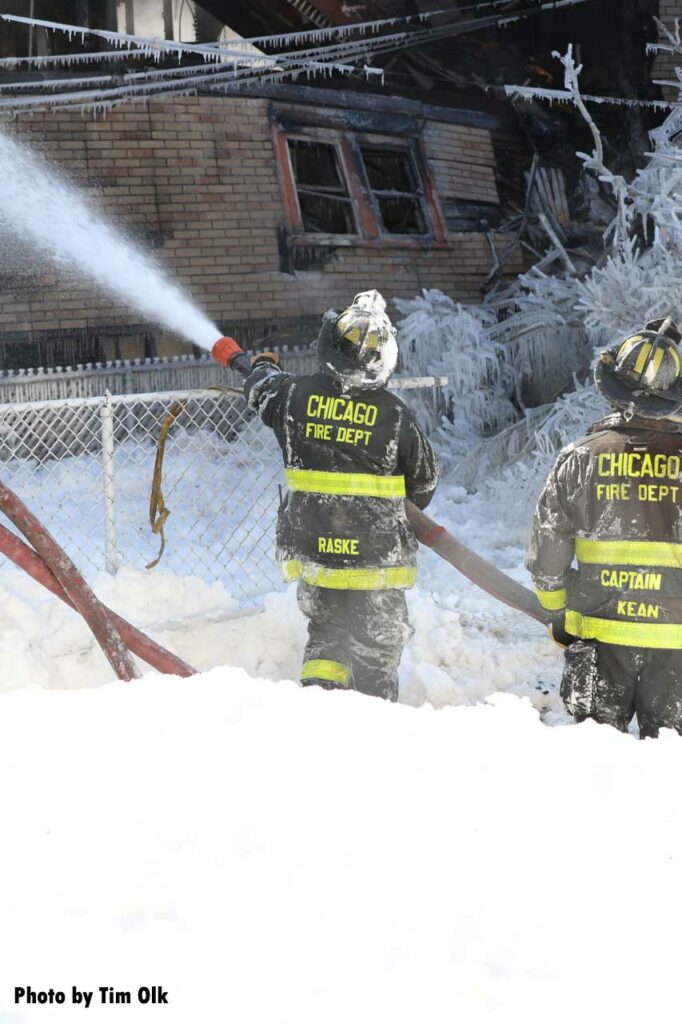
[224, 837]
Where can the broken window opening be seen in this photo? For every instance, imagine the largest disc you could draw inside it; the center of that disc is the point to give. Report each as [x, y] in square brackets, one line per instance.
[396, 189]
[325, 205]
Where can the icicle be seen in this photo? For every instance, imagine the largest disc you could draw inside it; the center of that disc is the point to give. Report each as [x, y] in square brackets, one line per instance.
[68, 58]
[56, 83]
[563, 96]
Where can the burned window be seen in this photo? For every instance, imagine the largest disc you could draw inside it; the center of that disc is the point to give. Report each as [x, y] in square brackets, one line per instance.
[325, 205]
[396, 189]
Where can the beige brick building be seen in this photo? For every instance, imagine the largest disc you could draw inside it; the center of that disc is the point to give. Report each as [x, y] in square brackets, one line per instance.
[269, 210]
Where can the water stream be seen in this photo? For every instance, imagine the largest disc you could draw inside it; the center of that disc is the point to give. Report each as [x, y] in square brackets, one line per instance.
[43, 209]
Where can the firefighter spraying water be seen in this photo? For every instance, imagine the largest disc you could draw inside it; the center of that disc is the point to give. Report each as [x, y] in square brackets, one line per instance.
[353, 452]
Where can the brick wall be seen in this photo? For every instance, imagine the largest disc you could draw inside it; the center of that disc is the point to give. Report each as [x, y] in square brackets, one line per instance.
[462, 161]
[199, 175]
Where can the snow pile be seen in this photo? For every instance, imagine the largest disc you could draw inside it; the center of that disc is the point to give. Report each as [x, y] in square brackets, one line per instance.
[221, 838]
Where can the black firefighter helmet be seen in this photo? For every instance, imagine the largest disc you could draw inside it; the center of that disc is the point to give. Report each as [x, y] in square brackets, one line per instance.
[642, 375]
[358, 346]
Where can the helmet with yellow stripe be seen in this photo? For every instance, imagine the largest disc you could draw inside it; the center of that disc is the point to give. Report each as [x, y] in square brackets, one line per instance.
[643, 375]
[358, 346]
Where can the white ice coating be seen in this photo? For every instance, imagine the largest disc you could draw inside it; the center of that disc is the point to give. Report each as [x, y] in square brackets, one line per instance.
[564, 96]
[39, 206]
[312, 62]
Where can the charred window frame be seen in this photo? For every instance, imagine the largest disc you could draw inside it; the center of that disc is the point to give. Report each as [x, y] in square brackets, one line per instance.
[396, 189]
[380, 194]
[325, 205]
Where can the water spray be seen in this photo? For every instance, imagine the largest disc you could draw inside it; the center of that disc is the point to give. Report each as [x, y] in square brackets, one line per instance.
[40, 206]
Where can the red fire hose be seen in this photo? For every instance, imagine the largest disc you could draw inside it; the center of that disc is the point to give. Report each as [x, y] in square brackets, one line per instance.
[51, 566]
[140, 644]
[481, 572]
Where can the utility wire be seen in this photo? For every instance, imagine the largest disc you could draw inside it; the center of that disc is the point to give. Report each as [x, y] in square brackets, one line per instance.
[260, 68]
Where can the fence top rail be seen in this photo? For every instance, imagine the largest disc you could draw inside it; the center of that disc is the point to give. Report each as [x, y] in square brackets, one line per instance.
[397, 384]
[140, 365]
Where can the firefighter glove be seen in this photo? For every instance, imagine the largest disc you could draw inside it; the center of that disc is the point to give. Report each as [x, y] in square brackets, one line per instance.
[265, 357]
[557, 631]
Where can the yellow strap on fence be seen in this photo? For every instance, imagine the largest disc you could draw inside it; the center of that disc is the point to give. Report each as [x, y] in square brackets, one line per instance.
[158, 513]
[551, 600]
[365, 485]
[330, 671]
[628, 552]
[391, 578]
[661, 635]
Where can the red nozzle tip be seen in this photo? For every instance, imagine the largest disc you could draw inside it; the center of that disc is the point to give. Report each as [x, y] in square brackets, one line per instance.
[224, 350]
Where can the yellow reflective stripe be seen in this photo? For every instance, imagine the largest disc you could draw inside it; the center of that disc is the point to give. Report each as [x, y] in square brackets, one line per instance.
[393, 578]
[629, 552]
[551, 600]
[331, 671]
[628, 345]
[365, 485]
[629, 634]
[642, 357]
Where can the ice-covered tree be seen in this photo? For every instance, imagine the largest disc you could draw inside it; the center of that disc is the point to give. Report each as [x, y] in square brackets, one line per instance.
[634, 276]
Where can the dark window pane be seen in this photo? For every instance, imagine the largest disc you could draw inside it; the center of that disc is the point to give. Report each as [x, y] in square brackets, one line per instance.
[326, 215]
[401, 216]
[315, 164]
[388, 171]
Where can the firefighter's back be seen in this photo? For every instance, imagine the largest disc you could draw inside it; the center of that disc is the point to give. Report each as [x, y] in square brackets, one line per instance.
[344, 517]
[352, 454]
[622, 485]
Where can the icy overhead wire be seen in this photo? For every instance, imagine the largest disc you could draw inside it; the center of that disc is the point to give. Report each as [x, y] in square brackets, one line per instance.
[361, 27]
[562, 96]
[282, 39]
[69, 58]
[226, 66]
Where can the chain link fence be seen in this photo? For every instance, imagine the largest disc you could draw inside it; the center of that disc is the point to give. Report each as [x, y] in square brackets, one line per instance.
[85, 468]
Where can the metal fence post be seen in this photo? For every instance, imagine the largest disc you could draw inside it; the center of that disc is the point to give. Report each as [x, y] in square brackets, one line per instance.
[107, 416]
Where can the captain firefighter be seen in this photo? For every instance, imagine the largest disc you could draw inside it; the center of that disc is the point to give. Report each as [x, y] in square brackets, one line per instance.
[352, 452]
[612, 503]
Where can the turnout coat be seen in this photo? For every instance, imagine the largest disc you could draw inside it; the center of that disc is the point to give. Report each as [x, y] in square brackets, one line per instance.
[351, 456]
[612, 503]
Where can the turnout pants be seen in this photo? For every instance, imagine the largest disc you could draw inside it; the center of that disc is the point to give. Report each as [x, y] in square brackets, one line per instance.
[355, 638]
[611, 684]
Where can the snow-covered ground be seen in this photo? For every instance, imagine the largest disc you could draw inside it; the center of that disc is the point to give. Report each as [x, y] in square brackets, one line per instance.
[466, 645]
[271, 854]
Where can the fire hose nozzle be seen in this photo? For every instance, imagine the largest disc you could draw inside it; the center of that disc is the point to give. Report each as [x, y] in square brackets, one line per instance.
[225, 350]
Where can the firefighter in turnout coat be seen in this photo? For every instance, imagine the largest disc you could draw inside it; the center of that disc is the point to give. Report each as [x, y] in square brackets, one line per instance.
[612, 503]
[353, 452]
